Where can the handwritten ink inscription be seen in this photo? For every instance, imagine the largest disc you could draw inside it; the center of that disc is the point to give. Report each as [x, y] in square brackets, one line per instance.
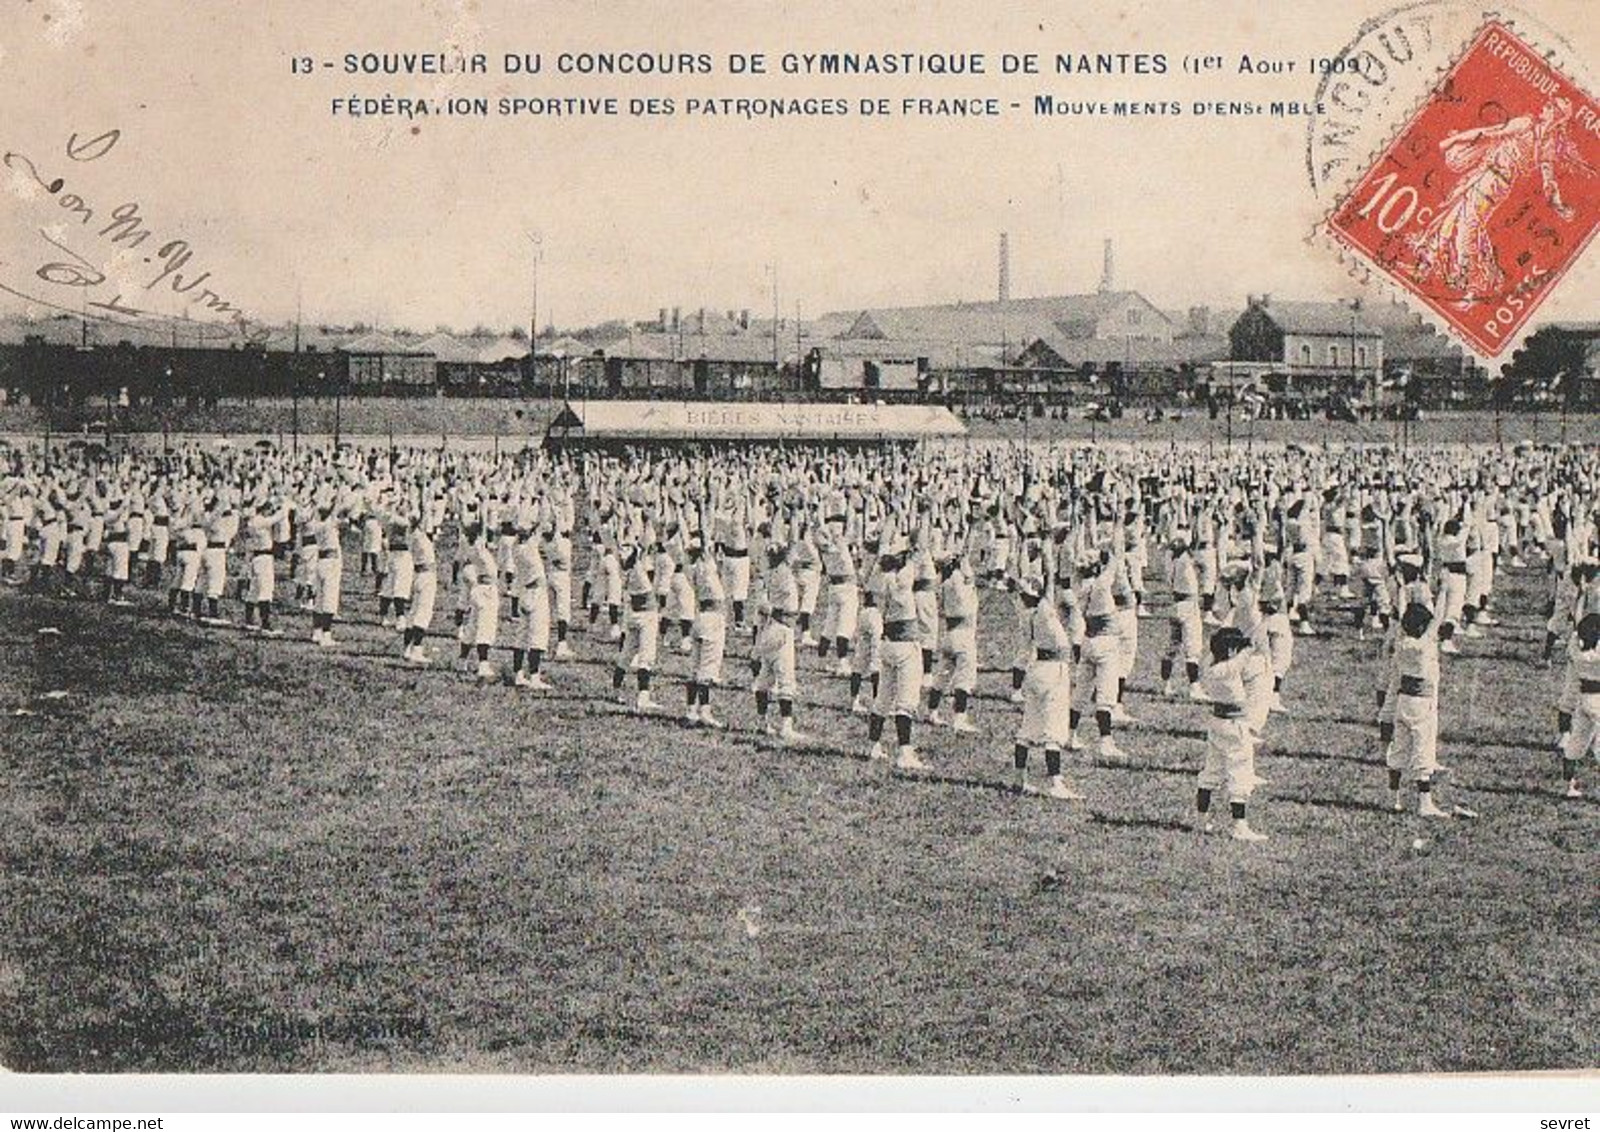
[155, 266]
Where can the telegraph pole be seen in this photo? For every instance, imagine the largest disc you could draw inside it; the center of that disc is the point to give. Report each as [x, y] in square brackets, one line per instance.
[772, 272]
[536, 238]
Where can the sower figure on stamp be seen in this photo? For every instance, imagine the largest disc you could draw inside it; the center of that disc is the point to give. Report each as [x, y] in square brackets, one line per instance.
[1456, 245]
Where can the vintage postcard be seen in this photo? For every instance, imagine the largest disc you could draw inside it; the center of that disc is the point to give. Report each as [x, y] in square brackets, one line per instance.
[799, 538]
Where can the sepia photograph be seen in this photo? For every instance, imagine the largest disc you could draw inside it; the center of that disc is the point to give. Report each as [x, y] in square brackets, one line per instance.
[799, 538]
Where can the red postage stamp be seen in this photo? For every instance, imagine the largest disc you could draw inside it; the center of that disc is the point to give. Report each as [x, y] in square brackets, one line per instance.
[1487, 196]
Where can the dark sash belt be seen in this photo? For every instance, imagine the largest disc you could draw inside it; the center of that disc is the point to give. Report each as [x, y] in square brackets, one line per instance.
[1413, 686]
[900, 631]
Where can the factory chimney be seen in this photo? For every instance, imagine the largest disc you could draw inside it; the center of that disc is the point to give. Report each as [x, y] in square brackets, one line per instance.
[1108, 275]
[1005, 267]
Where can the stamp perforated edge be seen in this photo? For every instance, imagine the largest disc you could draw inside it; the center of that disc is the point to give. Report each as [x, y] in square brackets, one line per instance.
[1363, 271]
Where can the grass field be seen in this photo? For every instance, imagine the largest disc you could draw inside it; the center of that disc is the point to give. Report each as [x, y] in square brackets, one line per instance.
[227, 853]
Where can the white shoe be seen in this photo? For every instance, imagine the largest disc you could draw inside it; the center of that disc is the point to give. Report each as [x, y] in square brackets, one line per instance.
[486, 672]
[1242, 832]
[1074, 743]
[842, 669]
[520, 680]
[1119, 714]
[790, 734]
[860, 707]
[537, 683]
[1208, 827]
[908, 760]
[1276, 704]
[962, 725]
[645, 702]
[563, 651]
[1474, 632]
[692, 716]
[1450, 647]
[1016, 695]
[615, 634]
[1428, 808]
[685, 646]
[878, 752]
[1109, 752]
[388, 622]
[711, 721]
[934, 718]
[1574, 789]
[807, 641]
[1059, 790]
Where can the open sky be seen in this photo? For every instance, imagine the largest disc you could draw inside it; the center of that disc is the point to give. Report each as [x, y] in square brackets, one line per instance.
[426, 221]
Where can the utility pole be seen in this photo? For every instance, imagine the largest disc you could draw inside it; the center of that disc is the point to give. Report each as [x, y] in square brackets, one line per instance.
[772, 271]
[536, 238]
